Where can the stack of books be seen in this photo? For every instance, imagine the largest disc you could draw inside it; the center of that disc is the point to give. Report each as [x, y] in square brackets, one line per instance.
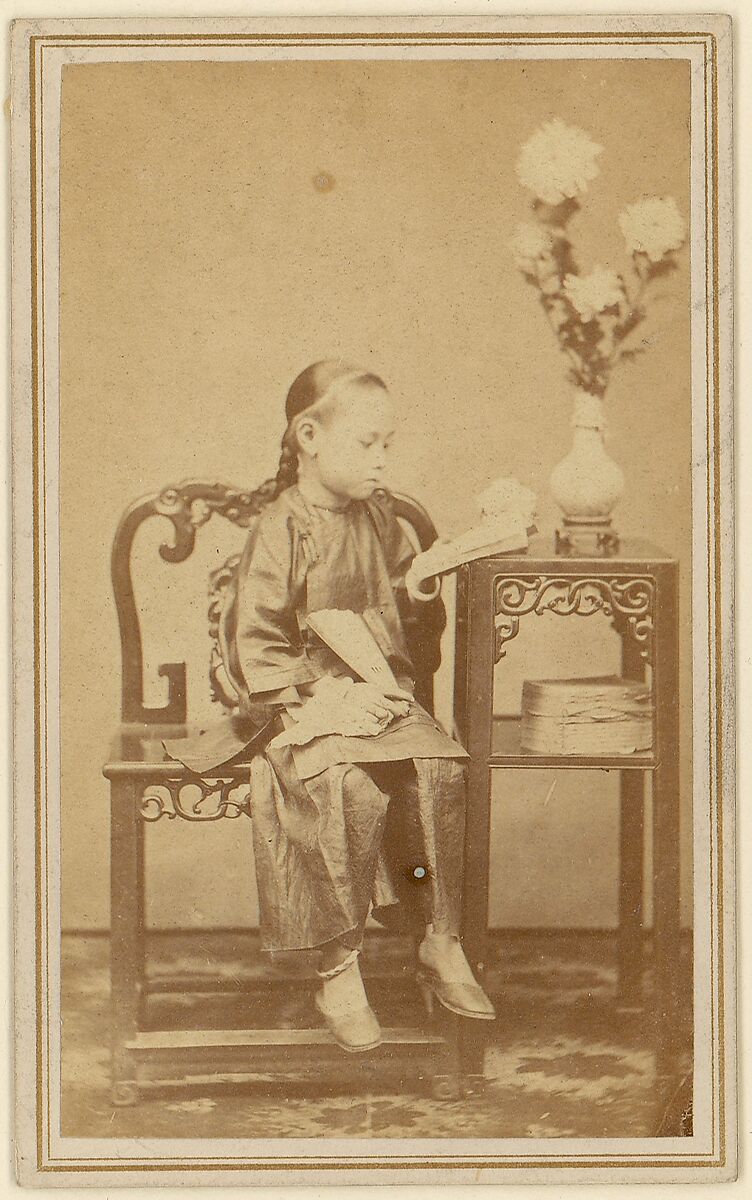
[596, 716]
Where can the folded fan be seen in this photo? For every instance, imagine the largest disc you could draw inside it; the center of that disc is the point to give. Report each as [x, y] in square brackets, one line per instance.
[348, 635]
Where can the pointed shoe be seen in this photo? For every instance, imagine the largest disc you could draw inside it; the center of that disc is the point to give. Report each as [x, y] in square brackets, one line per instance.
[464, 999]
[354, 1031]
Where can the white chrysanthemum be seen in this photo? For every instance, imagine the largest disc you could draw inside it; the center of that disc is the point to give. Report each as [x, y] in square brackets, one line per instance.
[558, 162]
[529, 244]
[653, 227]
[590, 294]
[507, 497]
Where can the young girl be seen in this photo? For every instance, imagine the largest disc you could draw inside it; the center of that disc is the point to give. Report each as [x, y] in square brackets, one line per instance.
[342, 819]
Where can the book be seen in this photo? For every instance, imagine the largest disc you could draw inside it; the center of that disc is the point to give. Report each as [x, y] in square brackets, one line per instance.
[508, 519]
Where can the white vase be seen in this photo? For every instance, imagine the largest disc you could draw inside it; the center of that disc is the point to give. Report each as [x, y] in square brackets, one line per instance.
[587, 484]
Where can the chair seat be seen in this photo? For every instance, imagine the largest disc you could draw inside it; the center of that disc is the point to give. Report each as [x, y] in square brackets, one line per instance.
[138, 750]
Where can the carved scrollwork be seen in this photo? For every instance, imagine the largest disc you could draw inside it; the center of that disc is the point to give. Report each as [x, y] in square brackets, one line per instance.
[186, 799]
[627, 599]
[191, 504]
[188, 506]
[506, 630]
[222, 584]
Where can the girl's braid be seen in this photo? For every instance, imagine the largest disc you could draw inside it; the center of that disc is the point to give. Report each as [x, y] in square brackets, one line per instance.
[287, 472]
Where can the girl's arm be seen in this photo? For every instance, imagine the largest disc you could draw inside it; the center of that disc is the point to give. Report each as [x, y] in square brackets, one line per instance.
[270, 651]
[400, 552]
[421, 590]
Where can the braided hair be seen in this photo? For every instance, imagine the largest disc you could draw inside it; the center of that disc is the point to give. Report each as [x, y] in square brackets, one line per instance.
[287, 471]
[308, 390]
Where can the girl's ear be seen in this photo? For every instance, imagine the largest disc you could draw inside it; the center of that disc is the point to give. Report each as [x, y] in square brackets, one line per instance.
[306, 436]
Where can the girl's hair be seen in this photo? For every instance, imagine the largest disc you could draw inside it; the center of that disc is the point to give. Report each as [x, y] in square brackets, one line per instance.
[310, 393]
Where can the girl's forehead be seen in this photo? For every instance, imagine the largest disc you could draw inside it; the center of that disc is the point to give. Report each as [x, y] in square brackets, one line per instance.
[365, 406]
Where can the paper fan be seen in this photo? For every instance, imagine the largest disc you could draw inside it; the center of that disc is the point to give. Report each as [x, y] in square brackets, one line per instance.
[347, 634]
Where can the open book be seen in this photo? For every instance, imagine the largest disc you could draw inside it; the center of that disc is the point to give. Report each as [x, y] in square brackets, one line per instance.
[508, 518]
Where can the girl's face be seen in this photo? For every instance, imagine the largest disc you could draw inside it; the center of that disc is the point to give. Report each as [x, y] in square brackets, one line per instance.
[347, 452]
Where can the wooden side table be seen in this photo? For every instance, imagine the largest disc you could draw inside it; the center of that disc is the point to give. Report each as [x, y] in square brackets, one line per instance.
[637, 587]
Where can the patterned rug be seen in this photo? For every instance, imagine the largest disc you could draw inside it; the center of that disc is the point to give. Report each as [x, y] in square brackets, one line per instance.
[563, 1059]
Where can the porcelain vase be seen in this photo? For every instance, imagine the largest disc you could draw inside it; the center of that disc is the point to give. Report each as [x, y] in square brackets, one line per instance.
[587, 484]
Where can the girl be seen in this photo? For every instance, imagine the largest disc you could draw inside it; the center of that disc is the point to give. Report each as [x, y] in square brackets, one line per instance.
[341, 819]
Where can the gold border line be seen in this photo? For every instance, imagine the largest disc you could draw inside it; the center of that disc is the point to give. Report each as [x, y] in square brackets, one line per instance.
[421, 38]
[367, 40]
[37, 592]
[707, 39]
[44, 575]
[718, 594]
[707, 203]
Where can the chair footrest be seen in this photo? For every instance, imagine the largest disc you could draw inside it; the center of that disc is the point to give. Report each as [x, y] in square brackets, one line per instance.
[197, 1039]
[307, 1057]
[258, 985]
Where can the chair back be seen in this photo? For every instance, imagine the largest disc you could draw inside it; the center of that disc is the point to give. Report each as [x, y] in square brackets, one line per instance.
[189, 505]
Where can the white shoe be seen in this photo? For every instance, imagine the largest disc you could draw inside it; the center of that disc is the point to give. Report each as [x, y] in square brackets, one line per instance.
[444, 972]
[343, 1004]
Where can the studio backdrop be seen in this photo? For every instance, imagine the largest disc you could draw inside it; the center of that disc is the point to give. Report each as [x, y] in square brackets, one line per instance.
[222, 225]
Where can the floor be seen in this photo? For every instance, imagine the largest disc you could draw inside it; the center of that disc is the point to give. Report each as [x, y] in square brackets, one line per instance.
[563, 1060]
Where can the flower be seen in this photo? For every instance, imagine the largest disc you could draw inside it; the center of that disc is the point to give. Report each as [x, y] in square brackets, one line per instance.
[529, 244]
[507, 499]
[557, 162]
[590, 294]
[654, 227]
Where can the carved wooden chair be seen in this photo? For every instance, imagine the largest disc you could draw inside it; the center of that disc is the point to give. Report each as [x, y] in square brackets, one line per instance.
[147, 786]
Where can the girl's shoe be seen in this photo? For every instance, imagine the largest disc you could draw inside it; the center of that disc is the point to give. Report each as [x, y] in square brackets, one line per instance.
[444, 973]
[345, 1008]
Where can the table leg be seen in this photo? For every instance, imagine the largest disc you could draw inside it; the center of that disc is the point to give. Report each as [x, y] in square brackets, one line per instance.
[631, 853]
[461, 632]
[477, 708]
[666, 798]
[474, 1034]
[126, 937]
[630, 948]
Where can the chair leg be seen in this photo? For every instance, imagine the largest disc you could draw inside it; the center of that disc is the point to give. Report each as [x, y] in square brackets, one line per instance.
[140, 947]
[126, 938]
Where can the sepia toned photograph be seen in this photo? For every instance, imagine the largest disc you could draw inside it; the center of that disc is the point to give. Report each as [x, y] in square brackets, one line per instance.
[372, 483]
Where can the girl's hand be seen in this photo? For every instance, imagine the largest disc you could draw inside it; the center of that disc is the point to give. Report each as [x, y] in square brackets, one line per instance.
[371, 701]
[342, 706]
[422, 579]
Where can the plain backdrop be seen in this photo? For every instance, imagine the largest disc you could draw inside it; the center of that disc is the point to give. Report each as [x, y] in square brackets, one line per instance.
[203, 266]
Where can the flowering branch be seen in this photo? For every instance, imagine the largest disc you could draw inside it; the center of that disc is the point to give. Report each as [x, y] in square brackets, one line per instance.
[592, 315]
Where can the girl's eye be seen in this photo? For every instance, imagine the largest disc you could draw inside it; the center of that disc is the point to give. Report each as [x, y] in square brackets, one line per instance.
[369, 442]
